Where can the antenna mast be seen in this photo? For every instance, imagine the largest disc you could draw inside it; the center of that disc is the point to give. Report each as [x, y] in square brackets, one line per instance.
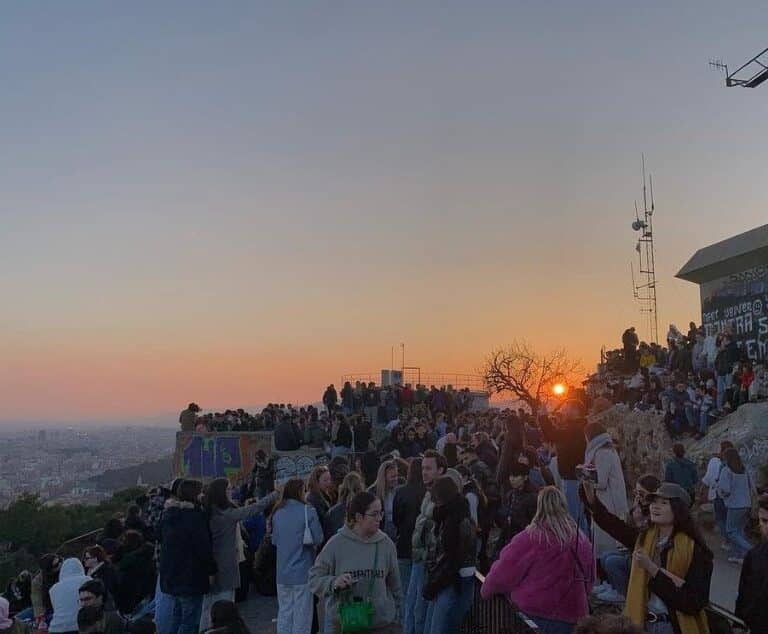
[645, 286]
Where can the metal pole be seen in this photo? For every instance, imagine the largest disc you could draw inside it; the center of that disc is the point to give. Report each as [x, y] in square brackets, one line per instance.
[402, 365]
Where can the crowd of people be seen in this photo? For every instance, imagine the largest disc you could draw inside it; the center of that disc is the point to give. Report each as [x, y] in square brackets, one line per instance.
[695, 380]
[390, 534]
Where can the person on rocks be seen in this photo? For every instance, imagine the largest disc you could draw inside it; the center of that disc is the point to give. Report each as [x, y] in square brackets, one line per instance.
[64, 596]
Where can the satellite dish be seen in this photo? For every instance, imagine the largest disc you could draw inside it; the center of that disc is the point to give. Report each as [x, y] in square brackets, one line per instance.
[637, 225]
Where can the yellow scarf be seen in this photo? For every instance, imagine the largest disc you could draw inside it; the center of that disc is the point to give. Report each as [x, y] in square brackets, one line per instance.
[678, 561]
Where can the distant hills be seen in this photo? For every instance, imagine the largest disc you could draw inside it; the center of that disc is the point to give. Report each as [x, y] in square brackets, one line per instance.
[151, 473]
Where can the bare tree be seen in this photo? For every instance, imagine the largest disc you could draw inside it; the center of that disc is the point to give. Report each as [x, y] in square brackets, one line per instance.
[519, 370]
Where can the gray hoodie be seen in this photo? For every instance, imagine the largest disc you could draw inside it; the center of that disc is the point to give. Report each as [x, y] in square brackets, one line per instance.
[347, 552]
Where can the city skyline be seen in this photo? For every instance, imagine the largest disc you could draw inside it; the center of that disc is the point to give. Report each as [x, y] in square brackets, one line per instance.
[238, 206]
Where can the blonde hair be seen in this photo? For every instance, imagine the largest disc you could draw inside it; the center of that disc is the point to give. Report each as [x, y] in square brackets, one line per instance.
[552, 520]
[381, 478]
[351, 485]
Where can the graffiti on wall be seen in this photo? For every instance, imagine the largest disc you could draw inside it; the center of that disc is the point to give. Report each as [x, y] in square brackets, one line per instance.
[219, 455]
[738, 303]
[298, 464]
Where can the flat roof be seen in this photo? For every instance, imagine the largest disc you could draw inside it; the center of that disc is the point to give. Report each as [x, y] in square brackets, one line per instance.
[741, 252]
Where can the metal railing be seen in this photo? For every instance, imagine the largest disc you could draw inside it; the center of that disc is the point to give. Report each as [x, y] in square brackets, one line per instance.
[415, 377]
[495, 616]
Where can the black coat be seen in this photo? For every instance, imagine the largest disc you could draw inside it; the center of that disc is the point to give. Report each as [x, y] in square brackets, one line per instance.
[343, 436]
[135, 578]
[405, 510]
[570, 443]
[752, 602]
[186, 553]
[285, 437]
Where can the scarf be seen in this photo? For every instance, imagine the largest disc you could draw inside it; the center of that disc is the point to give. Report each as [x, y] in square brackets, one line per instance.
[5, 622]
[593, 445]
[678, 562]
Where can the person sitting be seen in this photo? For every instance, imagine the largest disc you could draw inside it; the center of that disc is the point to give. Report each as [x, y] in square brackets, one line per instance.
[8, 624]
[548, 569]
[92, 594]
[671, 564]
[64, 596]
[19, 596]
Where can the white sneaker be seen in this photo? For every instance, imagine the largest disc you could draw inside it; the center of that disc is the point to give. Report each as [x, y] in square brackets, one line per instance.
[736, 560]
[602, 587]
[611, 596]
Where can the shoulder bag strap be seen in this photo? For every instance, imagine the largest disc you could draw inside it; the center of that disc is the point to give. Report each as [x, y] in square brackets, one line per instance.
[373, 574]
[306, 518]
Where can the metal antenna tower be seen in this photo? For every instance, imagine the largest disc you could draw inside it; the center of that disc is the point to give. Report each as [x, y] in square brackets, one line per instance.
[644, 288]
[748, 75]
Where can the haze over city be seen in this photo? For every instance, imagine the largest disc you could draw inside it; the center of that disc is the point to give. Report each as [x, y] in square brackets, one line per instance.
[236, 205]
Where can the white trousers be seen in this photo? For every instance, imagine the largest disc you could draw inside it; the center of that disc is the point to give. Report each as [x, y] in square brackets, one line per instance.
[208, 601]
[294, 612]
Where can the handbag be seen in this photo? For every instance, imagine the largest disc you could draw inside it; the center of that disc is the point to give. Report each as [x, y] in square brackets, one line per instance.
[356, 614]
[308, 539]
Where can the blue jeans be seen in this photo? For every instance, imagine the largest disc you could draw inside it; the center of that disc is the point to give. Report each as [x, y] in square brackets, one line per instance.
[721, 514]
[163, 610]
[415, 604]
[551, 626]
[405, 578]
[186, 614]
[722, 386]
[616, 565]
[703, 422]
[28, 614]
[735, 522]
[575, 507]
[446, 613]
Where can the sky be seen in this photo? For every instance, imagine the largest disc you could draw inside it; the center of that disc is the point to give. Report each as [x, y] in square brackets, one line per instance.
[236, 203]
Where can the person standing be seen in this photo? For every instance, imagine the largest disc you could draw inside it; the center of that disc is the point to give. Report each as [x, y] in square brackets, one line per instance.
[330, 398]
[682, 471]
[450, 582]
[387, 481]
[547, 569]
[568, 437]
[736, 488]
[712, 475]
[290, 520]
[334, 519]
[359, 563]
[186, 559]
[610, 486]
[405, 509]
[432, 467]
[320, 491]
[224, 520]
[188, 417]
[752, 600]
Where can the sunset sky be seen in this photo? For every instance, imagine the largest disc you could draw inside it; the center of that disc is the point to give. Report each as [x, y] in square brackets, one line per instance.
[236, 203]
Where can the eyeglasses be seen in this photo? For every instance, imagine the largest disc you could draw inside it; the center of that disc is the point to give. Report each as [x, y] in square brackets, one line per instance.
[375, 514]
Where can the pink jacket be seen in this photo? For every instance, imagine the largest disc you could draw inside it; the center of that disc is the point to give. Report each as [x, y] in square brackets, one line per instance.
[542, 578]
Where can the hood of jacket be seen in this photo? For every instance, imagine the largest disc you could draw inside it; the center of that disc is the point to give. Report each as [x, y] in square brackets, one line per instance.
[71, 568]
[348, 533]
[598, 442]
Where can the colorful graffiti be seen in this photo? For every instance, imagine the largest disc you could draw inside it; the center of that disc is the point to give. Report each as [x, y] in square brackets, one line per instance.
[219, 455]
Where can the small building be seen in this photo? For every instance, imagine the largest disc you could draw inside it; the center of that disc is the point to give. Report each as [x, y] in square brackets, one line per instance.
[733, 281]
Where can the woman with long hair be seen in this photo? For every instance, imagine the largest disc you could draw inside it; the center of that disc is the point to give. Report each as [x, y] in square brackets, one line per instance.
[334, 520]
[736, 488]
[451, 572]
[387, 480]
[405, 509]
[320, 491]
[290, 519]
[50, 565]
[547, 569]
[359, 563]
[224, 521]
[671, 564]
